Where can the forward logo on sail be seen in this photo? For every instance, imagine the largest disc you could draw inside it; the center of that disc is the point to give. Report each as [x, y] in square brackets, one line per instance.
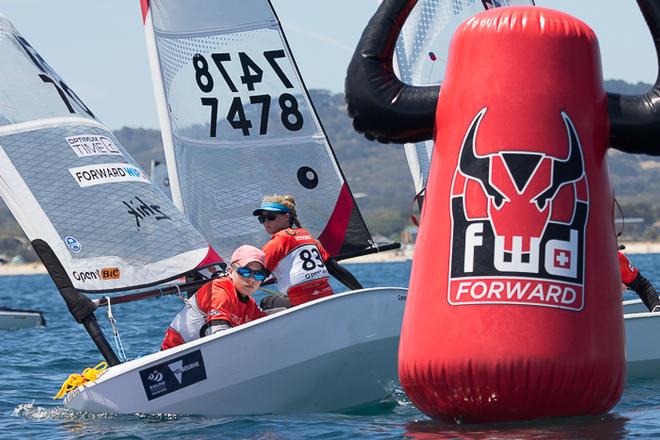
[100, 174]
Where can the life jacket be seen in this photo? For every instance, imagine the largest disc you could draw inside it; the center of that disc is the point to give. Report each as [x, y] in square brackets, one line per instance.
[216, 300]
[628, 271]
[297, 260]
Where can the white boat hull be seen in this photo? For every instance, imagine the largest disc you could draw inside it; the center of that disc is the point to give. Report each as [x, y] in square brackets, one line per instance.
[16, 319]
[314, 358]
[634, 306]
[334, 354]
[642, 349]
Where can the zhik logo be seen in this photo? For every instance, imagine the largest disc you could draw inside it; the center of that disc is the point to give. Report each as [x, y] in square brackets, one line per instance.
[518, 225]
[141, 210]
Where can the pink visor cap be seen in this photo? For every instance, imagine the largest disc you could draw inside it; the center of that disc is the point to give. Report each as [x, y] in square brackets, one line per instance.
[246, 254]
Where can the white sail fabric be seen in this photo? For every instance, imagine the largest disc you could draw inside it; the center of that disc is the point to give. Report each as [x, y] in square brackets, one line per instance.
[159, 177]
[70, 183]
[421, 56]
[238, 124]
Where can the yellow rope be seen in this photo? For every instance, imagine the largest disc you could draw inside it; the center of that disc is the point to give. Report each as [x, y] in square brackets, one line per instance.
[75, 380]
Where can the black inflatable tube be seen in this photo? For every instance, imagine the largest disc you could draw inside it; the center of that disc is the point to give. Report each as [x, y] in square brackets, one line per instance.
[635, 120]
[383, 107]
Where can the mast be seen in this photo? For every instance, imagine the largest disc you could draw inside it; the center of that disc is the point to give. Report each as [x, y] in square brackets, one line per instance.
[80, 306]
[161, 108]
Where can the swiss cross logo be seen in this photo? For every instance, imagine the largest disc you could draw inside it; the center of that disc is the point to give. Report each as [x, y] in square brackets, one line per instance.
[562, 259]
[518, 224]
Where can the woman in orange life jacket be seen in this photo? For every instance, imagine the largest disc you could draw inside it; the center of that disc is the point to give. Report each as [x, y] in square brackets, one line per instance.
[223, 302]
[635, 281]
[298, 261]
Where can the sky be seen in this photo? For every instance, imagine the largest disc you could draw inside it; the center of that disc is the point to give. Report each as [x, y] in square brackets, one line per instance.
[98, 46]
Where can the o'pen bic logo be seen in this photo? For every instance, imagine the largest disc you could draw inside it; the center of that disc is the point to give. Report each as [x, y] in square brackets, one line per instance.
[72, 243]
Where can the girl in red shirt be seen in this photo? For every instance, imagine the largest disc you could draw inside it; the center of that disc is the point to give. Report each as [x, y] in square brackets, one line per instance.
[299, 262]
[223, 302]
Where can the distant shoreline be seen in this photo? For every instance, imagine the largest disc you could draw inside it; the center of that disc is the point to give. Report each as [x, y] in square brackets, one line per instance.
[404, 254]
[10, 269]
[643, 247]
[395, 256]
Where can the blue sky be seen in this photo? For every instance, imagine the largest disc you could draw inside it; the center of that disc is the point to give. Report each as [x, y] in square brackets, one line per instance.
[98, 46]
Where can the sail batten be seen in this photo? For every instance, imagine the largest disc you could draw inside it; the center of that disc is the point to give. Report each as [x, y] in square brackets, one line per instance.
[256, 143]
[47, 123]
[239, 124]
[229, 29]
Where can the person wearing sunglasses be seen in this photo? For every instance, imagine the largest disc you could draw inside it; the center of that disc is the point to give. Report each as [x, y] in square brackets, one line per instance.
[296, 259]
[223, 302]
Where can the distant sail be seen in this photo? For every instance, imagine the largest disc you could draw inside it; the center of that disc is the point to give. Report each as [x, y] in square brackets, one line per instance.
[70, 184]
[238, 124]
[159, 177]
[421, 56]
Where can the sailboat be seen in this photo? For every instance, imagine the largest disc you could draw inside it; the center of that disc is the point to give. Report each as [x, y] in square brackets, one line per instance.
[238, 123]
[11, 319]
[420, 56]
[100, 226]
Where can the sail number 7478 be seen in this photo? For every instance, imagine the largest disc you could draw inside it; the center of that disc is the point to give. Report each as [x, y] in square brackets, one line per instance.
[290, 115]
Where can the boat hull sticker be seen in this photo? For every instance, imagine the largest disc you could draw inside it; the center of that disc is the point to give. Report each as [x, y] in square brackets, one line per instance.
[173, 375]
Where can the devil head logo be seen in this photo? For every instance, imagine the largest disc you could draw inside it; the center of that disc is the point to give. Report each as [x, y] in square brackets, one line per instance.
[520, 187]
[518, 220]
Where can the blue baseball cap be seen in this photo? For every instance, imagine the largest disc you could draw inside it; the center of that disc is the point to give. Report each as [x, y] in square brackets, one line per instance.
[272, 207]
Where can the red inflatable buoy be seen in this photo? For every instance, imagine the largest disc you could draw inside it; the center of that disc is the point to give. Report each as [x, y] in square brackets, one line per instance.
[514, 306]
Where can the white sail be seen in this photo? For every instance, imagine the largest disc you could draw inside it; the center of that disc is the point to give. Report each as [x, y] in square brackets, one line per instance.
[238, 123]
[160, 178]
[73, 186]
[421, 57]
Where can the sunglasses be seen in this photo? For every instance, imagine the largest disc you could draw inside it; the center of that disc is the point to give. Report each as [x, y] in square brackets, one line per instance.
[270, 217]
[246, 272]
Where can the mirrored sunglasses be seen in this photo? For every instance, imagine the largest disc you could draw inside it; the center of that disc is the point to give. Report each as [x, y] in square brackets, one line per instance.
[246, 272]
[269, 216]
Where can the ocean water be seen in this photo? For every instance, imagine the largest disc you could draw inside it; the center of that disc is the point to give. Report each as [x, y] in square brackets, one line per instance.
[35, 362]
